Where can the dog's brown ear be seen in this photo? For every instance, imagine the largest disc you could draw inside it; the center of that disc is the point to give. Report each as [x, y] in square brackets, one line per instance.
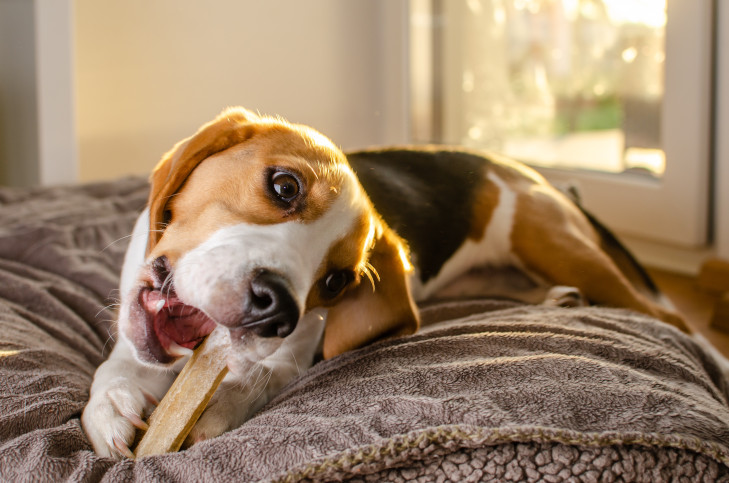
[368, 313]
[231, 127]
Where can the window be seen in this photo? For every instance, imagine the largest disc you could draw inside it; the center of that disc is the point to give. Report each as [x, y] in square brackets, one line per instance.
[612, 96]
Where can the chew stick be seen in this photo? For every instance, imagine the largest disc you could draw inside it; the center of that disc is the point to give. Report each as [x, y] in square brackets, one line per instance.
[185, 401]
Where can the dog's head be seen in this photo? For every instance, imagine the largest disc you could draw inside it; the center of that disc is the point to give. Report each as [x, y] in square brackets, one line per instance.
[255, 223]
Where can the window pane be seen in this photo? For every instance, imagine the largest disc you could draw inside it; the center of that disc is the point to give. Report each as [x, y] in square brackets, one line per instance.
[564, 83]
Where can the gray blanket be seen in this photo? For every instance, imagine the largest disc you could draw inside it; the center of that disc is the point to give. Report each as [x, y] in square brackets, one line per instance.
[487, 390]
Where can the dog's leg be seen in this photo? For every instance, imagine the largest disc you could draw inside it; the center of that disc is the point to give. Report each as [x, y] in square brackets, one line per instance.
[566, 252]
[563, 296]
[122, 394]
[589, 269]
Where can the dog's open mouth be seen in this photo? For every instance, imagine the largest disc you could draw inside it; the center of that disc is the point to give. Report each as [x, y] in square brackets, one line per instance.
[176, 327]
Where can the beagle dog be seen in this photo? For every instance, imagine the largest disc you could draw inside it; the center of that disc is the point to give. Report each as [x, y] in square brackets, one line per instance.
[267, 229]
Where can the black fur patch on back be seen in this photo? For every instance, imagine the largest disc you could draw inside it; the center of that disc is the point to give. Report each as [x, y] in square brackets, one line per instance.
[426, 195]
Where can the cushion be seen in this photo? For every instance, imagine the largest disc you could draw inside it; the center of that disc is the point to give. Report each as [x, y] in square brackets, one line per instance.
[486, 390]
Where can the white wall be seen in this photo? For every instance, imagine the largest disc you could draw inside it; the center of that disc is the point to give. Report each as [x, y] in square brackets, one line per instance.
[150, 72]
[55, 91]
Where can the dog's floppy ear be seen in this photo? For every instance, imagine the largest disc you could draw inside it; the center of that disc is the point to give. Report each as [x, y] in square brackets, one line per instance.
[368, 313]
[231, 127]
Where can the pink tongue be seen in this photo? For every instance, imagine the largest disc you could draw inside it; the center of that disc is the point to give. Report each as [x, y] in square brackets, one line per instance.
[183, 324]
[175, 321]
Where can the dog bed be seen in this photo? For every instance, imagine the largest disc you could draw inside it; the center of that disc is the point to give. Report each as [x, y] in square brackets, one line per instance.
[488, 390]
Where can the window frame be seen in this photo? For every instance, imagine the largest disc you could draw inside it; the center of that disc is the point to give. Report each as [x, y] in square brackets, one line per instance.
[673, 209]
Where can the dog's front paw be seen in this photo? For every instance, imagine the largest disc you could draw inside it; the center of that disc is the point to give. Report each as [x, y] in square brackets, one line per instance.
[231, 405]
[220, 416]
[113, 414]
[564, 296]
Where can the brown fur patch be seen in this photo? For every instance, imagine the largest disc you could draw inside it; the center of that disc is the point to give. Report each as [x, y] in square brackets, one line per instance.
[347, 253]
[365, 313]
[231, 187]
[483, 209]
[230, 128]
[566, 251]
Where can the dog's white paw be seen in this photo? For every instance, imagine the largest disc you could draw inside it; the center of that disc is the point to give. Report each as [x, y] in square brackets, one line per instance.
[222, 414]
[113, 414]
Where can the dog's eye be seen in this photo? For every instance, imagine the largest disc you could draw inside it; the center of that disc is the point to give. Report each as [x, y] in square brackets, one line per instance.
[285, 185]
[335, 282]
[166, 217]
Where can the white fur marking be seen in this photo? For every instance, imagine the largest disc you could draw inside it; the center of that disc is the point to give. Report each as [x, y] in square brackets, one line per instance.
[294, 249]
[134, 257]
[493, 249]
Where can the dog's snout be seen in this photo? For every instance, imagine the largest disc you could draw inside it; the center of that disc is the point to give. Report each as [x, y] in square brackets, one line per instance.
[161, 269]
[269, 308]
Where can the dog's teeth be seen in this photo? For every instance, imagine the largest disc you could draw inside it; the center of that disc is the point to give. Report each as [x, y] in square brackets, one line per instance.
[178, 351]
[160, 305]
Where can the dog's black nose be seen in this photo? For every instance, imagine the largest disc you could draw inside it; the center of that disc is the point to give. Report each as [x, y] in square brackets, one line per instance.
[269, 309]
[161, 269]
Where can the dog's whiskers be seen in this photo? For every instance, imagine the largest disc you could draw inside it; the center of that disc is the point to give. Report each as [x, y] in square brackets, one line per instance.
[106, 307]
[109, 339]
[296, 363]
[316, 175]
[115, 242]
[114, 304]
[259, 389]
[257, 383]
[166, 285]
[369, 271]
[259, 375]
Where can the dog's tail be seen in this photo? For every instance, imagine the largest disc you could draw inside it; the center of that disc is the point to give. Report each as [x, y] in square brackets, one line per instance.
[623, 258]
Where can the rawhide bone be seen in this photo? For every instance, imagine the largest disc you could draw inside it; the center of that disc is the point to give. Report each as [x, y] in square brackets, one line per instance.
[185, 401]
